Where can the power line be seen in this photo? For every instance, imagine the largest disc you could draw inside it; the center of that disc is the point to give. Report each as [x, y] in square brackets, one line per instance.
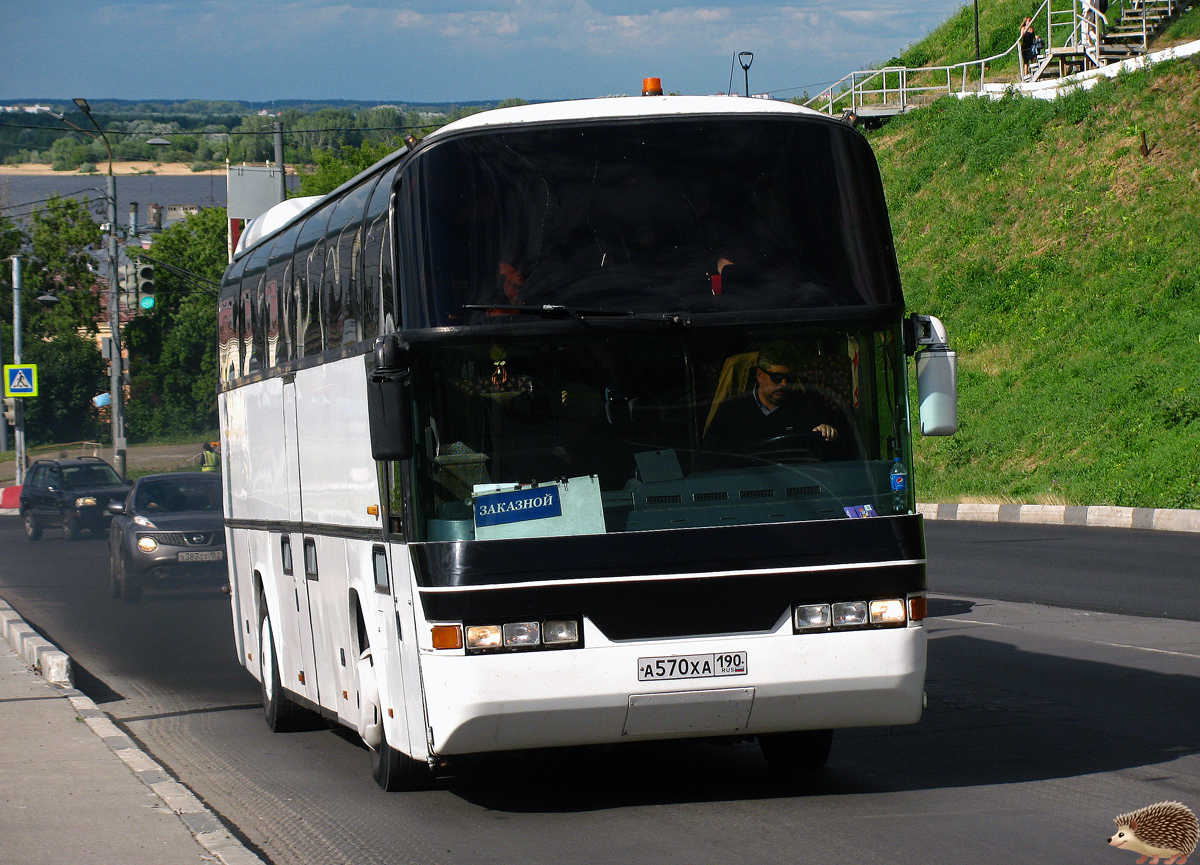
[247, 132]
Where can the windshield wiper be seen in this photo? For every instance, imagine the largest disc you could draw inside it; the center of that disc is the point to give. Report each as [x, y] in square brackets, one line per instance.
[554, 310]
[548, 310]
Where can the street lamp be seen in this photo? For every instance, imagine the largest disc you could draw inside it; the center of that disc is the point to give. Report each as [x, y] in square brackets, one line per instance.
[114, 311]
[745, 58]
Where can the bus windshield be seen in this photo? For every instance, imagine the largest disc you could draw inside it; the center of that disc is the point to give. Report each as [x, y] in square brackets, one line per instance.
[626, 431]
[699, 214]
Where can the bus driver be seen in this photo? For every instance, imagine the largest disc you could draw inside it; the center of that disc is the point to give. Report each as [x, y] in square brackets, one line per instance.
[777, 409]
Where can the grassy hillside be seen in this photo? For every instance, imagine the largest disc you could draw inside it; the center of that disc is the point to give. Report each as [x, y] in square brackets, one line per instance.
[999, 20]
[1066, 265]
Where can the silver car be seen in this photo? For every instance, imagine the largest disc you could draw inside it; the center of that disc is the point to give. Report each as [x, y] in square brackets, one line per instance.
[169, 532]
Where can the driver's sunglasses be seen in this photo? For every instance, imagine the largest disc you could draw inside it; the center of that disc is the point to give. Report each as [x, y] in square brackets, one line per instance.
[779, 377]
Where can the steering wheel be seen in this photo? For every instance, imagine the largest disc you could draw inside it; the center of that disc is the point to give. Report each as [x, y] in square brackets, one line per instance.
[797, 446]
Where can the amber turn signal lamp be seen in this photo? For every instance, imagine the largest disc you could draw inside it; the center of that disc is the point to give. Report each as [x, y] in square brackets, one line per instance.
[447, 636]
[918, 608]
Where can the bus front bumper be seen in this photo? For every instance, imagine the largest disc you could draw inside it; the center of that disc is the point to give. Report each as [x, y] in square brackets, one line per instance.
[592, 695]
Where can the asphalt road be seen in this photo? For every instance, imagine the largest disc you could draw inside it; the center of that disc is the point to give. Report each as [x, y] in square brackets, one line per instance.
[1044, 723]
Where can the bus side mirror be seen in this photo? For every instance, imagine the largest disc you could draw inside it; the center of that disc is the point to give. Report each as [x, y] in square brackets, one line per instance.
[937, 391]
[389, 400]
[937, 375]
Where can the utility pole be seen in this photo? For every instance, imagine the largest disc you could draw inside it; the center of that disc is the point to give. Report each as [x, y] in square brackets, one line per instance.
[277, 126]
[977, 34]
[18, 404]
[115, 381]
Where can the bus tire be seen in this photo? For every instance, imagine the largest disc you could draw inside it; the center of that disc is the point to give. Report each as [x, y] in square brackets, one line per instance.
[394, 771]
[282, 714]
[801, 751]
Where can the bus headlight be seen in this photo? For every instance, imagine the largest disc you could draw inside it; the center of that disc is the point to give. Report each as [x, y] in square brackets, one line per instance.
[560, 632]
[484, 637]
[888, 612]
[849, 614]
[812, 617]
[517, 634]
[523, 636]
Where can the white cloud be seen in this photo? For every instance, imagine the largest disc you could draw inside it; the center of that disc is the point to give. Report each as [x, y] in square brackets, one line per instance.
[441, 50]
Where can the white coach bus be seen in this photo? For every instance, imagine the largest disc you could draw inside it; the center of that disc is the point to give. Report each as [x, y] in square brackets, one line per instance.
[582, 423]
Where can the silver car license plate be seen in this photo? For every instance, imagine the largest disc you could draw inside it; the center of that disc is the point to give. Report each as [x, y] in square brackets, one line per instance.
[203, 556]
[692, 666]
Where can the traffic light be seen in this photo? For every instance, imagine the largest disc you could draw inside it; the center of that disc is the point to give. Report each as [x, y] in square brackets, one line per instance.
[126, 281]
[10, 410]
[145, 285]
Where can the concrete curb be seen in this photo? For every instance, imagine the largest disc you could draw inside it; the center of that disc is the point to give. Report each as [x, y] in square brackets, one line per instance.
[50, 663]
[1160, 519]
[54, 665]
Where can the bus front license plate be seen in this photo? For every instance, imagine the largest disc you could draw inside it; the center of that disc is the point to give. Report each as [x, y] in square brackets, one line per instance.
[692, 666]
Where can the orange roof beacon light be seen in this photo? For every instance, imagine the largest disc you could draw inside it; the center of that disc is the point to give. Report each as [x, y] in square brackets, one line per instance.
[652, 87]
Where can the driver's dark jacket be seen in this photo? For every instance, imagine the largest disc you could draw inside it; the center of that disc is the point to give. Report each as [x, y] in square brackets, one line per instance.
[740, 425]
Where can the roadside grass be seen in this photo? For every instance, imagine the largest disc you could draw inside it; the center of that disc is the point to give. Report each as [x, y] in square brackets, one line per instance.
[1185, 29]
[1065, 265]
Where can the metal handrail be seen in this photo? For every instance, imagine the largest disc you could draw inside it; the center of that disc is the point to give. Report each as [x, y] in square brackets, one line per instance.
[1065, 27]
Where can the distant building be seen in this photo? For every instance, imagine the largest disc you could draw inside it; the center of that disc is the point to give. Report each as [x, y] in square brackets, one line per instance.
[176, 212]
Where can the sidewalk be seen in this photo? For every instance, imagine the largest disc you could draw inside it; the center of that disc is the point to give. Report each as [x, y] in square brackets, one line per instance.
[76, 789]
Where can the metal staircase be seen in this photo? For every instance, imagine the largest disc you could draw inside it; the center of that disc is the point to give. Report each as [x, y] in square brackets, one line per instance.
[1075, 40]
[1084, 41]
[1140, 23]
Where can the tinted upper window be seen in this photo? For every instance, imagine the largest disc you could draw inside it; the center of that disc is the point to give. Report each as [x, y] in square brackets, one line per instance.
[178, 496]
[88, 475]
[642, 216]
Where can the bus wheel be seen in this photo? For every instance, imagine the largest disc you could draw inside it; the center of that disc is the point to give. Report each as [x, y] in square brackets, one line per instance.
[802, 751]
[282, 714]
[394, 771]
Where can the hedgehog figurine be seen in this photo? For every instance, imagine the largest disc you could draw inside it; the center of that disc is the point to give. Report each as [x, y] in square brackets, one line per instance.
[1168, 829]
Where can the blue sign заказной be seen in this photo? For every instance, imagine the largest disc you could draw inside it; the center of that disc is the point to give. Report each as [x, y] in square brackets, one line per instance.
[538, 503]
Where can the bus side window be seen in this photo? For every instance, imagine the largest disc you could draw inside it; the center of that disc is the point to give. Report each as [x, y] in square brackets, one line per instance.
[379, 315]
[310, 559]
[285, 552]
[333, 301]
[313, 338]
[380, 565]
[307, 271]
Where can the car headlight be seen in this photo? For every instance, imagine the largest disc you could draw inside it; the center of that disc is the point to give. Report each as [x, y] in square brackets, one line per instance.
[85, 501]
[143, 521]
[147, 545]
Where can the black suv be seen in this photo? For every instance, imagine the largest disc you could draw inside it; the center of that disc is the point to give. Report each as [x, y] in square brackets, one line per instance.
[72, 493]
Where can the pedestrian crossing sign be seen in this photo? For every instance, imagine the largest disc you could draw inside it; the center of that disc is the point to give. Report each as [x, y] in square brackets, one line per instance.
[20, 379]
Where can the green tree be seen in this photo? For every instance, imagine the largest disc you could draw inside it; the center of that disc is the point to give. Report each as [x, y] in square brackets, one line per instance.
[71, 371]
[173, 361]
[62, 238]
[334, 169]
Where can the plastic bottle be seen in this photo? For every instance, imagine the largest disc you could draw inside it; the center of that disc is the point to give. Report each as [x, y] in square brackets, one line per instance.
[899, 480]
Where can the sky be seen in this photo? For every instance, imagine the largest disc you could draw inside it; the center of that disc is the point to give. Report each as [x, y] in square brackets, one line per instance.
[427, 51]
